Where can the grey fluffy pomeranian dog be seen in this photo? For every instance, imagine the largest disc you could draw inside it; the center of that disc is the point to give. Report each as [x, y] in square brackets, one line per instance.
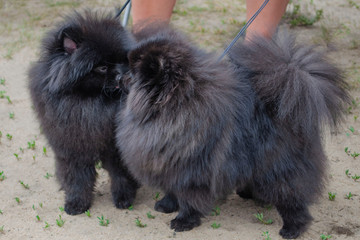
[199, 129]
[76, 89]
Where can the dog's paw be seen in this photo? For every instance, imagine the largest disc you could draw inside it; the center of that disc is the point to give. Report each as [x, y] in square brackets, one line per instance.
[167, 205]
[290, 233]
[76, 207]
[123, 200]
[185, 224]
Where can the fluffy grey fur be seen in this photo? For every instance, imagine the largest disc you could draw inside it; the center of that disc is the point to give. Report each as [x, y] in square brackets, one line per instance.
[76, 89]
[199, 129]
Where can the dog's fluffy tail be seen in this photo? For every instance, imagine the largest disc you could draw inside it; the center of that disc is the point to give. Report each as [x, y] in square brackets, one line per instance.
[298, 86]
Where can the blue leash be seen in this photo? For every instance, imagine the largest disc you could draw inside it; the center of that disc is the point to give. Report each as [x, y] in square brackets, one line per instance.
[243, 29]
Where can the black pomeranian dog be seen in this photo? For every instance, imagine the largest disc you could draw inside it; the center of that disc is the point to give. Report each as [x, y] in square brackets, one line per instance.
[199, 129]
[76, 90]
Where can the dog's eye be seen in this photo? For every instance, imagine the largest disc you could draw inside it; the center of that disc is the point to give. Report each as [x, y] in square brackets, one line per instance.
[101, 69]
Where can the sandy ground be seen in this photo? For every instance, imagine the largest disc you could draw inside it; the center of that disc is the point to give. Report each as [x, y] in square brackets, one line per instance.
[211, 24]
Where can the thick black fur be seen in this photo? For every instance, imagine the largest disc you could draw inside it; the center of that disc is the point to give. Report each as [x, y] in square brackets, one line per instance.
[199, 129]
[76, 89]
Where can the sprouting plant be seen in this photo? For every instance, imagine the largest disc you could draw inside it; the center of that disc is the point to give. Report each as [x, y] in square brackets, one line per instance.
[331, 196]
[26, 186]
[139, 223]
[266, 235]
[131, 207]
[9, 100]
[156, 197]
[148, 214]
[215, 211]
[98, 165]
[48, 175]
[21, 150]
[9, 136]
[355, 177]
[33, 207]
[17, 156]
[260, 217]
[2, 229]
[17, 200]
[46, 225]
[11, 115]
[103, 222]
[325, 237]
[44, 151]
[2, 176]
[351, 128]
[40, 205]
[347, 173]
[355, 117]
[31, 145]
[61, 209]
[2, 81]
[2, 94]
[38, 218]
[349, 195]
[1, 212]
[215, 225]
[60, 222]
[87, 212]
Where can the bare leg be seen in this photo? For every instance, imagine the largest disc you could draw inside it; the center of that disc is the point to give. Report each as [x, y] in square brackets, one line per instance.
[266, 22]
[151, 10]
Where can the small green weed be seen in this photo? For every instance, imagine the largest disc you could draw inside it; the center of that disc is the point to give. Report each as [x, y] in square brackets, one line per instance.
[2, 81]
[87, 213]
[38, 218]
[215, 225]
[61, 209]
[60, 222]
[2, 229]
[11, 115]
[103, 222]
[215, 211]
[17, 156]
[260, 217]
[9, 136]
[2, 176]
[355, 177]
[9, 100]
[48, 175]
[2, 94]
[17, 200]
[46, 225]
[266, 235]
[44, 151]
[148, 214]
[40, 205]
[325, 237]
[1, 212]
[131, 208]
[31, 144]
[349, 195]
[139, 223]
[26, 186]
[157, 196]
[331, 196]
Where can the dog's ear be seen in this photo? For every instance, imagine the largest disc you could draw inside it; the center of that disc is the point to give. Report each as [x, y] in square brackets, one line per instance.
[70, 39]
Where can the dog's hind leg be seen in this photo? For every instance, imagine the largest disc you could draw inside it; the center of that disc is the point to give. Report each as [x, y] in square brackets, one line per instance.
[295, 216]
[167, 204]
[194, 202]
